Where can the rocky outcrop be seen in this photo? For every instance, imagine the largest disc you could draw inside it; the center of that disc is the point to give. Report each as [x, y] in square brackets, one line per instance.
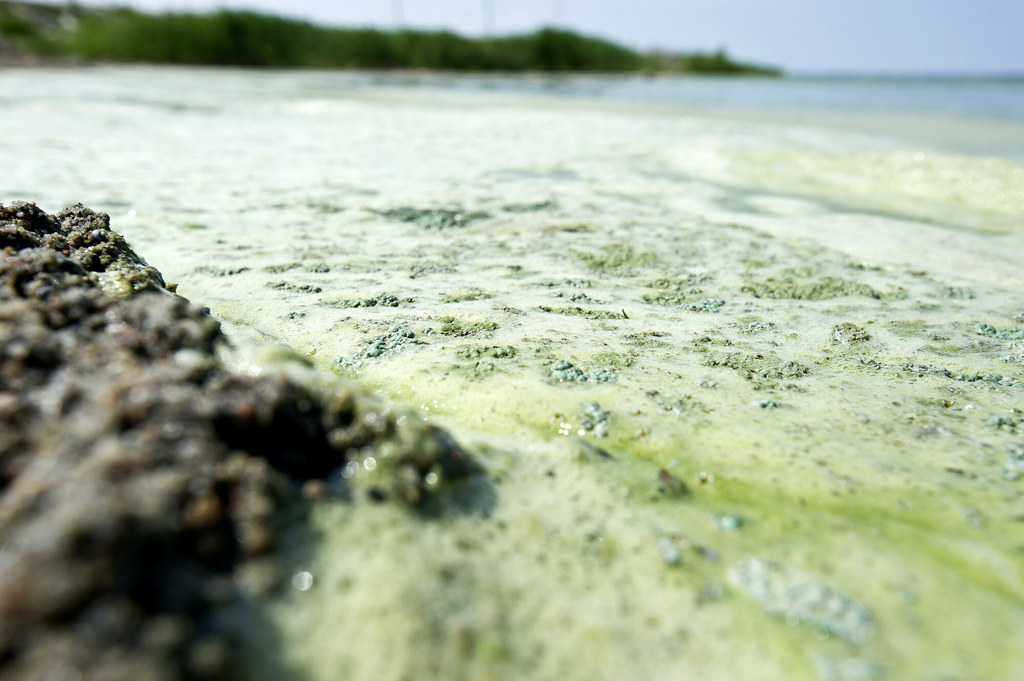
[143, 484]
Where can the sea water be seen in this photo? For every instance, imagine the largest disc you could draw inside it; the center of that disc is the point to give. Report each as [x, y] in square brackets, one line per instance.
[743, 359]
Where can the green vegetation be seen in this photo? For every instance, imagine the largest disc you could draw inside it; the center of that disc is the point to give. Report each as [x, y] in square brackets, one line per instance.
[578, 311]
[823, 288]
[615, 360]
[452, 326]
[464, 295]
[717, 62]
[618, 260]
[763, 371]
[24, 28]
[434, 218]
[13, 25]
[242, 38]
[480, 351]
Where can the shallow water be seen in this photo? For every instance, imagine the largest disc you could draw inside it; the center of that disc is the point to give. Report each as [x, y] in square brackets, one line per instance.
[800, 301]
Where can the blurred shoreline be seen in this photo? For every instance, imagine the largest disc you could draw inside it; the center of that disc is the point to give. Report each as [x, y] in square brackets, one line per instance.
[247, 38]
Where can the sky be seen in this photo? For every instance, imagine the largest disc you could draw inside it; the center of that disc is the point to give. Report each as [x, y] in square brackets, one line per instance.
[872, 36]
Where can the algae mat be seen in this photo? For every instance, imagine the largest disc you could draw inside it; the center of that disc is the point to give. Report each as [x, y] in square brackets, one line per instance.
[750, 394]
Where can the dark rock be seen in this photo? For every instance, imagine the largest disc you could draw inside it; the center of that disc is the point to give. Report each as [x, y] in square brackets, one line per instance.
[137, 473]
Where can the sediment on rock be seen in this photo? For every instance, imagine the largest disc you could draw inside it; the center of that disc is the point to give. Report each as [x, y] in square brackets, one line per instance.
[139, 476]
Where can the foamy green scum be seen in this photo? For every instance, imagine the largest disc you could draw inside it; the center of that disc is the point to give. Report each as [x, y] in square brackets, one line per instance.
[803, 346]
[835, 443]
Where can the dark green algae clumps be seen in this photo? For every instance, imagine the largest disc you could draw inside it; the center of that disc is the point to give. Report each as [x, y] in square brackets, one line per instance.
[823, 288]
[145, 487]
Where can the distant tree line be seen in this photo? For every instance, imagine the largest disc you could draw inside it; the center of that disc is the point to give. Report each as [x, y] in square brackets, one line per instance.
[242, 38]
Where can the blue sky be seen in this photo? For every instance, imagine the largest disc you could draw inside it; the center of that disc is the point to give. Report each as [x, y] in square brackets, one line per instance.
[947, 36]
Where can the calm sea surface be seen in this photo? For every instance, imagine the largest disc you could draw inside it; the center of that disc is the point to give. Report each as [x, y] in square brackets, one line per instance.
[994, 101]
